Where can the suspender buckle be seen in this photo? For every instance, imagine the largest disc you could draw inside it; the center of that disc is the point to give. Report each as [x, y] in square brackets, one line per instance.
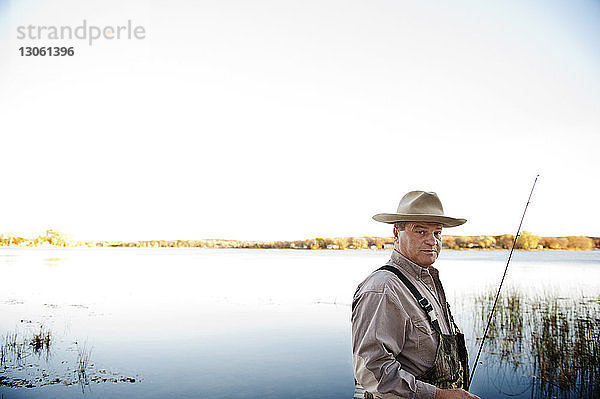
[424, 302]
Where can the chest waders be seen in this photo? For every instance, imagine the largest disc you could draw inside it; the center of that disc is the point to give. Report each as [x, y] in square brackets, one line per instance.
[451, 367]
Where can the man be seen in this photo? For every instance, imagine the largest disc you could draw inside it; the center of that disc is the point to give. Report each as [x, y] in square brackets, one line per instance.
[404, 340]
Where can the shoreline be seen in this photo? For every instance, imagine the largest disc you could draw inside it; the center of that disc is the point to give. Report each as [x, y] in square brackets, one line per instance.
[287, 249]
[525, 241]
[128, 245]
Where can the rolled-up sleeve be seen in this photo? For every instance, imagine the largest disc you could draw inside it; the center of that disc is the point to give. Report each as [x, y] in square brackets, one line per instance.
[379, 326]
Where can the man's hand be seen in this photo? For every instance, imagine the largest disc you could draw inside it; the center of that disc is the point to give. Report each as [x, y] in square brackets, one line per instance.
[453, 394]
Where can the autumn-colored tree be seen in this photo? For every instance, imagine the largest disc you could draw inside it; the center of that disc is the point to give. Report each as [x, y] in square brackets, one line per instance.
[359, 242]
[526, 240]
[341, 242]
[449, 242]
[580, 242]
[461, 242]
[57, 238]
[486, 241]
[321, 243]
[505, 241]
[554, 242]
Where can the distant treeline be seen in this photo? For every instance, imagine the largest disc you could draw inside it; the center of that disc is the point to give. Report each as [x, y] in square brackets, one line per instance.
[526, 240]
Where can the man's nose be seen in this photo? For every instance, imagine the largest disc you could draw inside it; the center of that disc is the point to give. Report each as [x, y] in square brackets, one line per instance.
[430, 240]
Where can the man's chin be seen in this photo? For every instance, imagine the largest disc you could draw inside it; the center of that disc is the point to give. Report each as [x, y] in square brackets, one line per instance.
[427, 260]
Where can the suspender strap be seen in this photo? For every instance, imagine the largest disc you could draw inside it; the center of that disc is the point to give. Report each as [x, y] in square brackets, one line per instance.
[452, 318]
[421, 300]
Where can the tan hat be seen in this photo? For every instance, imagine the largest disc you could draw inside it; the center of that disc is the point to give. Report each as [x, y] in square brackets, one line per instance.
[419, 206]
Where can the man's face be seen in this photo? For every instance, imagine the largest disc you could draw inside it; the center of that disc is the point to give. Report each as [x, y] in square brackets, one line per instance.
[421, 242]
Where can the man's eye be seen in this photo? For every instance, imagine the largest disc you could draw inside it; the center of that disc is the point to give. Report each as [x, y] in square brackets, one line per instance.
[420, 231]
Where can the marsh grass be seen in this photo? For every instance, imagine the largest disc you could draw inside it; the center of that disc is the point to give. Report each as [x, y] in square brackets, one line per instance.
[84, 354]
[12, 349]
[565, 347]
[16, 347]
[18, 370]
[552, 339]
[41, 340]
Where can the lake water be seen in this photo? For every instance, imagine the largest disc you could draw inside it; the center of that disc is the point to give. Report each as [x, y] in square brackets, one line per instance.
[220, 323]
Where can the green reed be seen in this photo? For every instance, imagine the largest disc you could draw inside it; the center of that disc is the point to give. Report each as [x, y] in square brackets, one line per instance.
[84, 354]
[554, 340]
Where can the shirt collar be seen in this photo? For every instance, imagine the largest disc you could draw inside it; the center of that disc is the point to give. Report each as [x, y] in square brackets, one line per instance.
[402, 263]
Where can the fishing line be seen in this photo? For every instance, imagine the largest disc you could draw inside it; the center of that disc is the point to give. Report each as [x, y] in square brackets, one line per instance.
[501, 282]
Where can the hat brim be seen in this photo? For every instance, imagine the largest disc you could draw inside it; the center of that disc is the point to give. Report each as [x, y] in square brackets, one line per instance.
[445, 221]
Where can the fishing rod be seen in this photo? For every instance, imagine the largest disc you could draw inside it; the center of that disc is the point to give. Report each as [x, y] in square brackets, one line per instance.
[502, 281]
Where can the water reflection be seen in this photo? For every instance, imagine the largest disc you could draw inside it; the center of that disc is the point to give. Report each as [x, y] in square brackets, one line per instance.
[544, 343]
[243, 324]
[53, 261]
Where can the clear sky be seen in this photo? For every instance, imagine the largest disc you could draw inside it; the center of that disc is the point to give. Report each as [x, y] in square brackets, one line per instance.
[295, 119]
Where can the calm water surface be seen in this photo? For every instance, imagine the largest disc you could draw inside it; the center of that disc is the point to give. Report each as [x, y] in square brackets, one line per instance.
[235, 323]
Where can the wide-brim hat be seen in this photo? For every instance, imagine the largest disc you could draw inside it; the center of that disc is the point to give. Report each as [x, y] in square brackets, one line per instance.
[420, 206]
